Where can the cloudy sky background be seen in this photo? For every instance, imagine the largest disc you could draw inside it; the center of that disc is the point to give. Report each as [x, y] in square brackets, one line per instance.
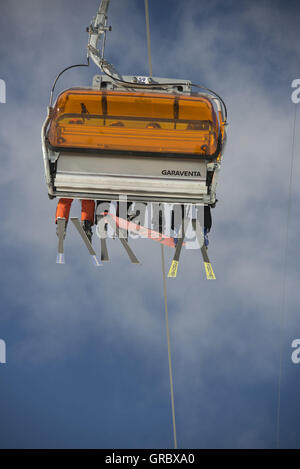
[86, 348]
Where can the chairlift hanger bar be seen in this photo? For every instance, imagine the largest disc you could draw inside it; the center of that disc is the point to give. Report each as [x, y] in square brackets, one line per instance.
[97, 29]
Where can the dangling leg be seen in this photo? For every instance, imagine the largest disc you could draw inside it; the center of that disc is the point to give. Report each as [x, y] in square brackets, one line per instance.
[177, 217]
[63, 211]
[61, 220]
[122, 212]
[207, 223]
[103, 207]
[158, 221]
[88, 216]
[178, 244]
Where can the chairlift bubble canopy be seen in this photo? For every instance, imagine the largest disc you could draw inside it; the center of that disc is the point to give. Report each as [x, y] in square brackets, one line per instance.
[148, 144]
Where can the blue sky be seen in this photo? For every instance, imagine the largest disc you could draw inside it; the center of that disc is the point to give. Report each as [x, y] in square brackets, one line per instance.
[86, 349]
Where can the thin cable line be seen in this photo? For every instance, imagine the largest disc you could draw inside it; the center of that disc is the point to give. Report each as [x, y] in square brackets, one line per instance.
[163, 266]
[169, 346]
[148, 36]
[283, 310]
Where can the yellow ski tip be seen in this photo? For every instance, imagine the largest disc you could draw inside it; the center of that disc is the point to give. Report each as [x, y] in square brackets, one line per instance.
[173, 269]
[209, 271]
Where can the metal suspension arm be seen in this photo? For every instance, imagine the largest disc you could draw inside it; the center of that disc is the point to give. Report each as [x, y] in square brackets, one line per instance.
[97, 30]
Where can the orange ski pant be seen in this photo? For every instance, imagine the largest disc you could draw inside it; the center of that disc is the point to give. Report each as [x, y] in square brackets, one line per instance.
[87, 209]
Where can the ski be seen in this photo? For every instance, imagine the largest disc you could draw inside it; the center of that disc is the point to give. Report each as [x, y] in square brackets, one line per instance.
[124, 242]
[174, 266]
[207, 265]
[104, 251]
[102, 233]
[61, 225]
[86, 240]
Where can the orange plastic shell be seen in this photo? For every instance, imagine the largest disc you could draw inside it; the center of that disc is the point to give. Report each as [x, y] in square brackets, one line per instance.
[134, 121]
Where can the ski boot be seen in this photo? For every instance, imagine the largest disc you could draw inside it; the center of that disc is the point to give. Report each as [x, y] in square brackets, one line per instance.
[87, 227]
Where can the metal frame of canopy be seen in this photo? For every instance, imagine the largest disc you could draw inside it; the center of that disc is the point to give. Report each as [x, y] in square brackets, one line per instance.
[139, 175]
